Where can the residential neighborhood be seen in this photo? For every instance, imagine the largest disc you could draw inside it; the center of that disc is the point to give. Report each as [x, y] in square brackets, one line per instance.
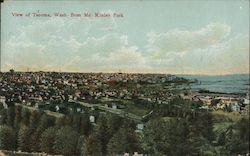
[103, 108]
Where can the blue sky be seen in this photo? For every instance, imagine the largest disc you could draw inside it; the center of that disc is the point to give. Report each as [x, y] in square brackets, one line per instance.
[184, 37]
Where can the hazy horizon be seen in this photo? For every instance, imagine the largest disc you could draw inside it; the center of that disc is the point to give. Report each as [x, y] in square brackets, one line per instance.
[98, 72]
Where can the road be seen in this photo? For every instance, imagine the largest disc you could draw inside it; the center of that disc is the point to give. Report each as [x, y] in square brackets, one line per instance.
[118, 112]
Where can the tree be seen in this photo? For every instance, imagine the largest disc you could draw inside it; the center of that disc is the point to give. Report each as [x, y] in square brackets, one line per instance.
[101, 133]
[76, 122]
[80, 145]
[59, 122]
[124, 140]
[3, 116]
[201, 135]
[198, 145]
[34, 120]
[34, 134]
[25, 116]
[12, 71]
[237, 137]
[48, 140]
[10, 116]
[114, 123]
[66, 140]
[38, 129]
[165, 137]
[45, 122]
[92, 146]
[18, 117]
[203, 126]
[24, 143]
[7, 138]
[85, 125]
[1, 106]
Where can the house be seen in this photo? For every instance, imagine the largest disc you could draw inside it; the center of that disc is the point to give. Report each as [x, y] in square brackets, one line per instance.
[126, 154]
[36, 105]
[114, 106]
[246, 100]
[235, 107]
[79, 110]
[139, 127]
[2, 100]
[206, 100]
[57, 108]
[92, 119]
[137, 154]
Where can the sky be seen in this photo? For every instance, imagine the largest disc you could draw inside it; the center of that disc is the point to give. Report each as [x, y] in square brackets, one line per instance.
[177, 37]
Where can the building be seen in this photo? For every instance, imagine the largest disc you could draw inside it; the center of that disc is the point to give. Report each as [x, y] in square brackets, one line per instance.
[92, 119]
[3, 101]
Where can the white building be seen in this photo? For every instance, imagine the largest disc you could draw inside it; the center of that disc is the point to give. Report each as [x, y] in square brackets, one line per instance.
[114, 106]
[57, 108]
[235, 107]
[92, 119]
[3, 101]
[139, 127]
[246, 100]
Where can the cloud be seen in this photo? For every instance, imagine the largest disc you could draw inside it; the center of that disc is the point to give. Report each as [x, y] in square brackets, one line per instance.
[127, 56]
[229, 56]
[209, 50]
[184, 40]
[60, 45]
[111, 58]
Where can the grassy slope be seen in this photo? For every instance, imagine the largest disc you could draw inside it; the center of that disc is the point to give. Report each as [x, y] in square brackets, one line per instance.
[223, 120]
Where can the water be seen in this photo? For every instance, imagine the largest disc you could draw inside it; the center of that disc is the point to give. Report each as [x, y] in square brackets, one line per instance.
[237, 83]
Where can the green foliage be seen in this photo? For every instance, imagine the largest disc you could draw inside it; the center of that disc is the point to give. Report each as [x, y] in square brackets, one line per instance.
[25, 116]
[12, 71]
[203, 126]
[34, 117]
[10, 116]
[237, 138]
[107, 126]
[171, 130]
[34, 132]
[48, 140]
[18, 117]
[59, 122]
[92, 146]
[177, 107]
[3, 116]
[66, 140]
[80, 145]
[24, 142]
[76, 122]
[45, 122]
[124, 140]
[113, 123]
[7, 138]
[85, 125]
[1, 106]
[101, 133]
[162, 137]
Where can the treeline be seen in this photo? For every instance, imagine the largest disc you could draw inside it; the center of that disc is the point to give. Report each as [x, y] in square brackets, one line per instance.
[177, 136]
[168, 134]
[35, 131]
[180, 128]
[32, 130]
